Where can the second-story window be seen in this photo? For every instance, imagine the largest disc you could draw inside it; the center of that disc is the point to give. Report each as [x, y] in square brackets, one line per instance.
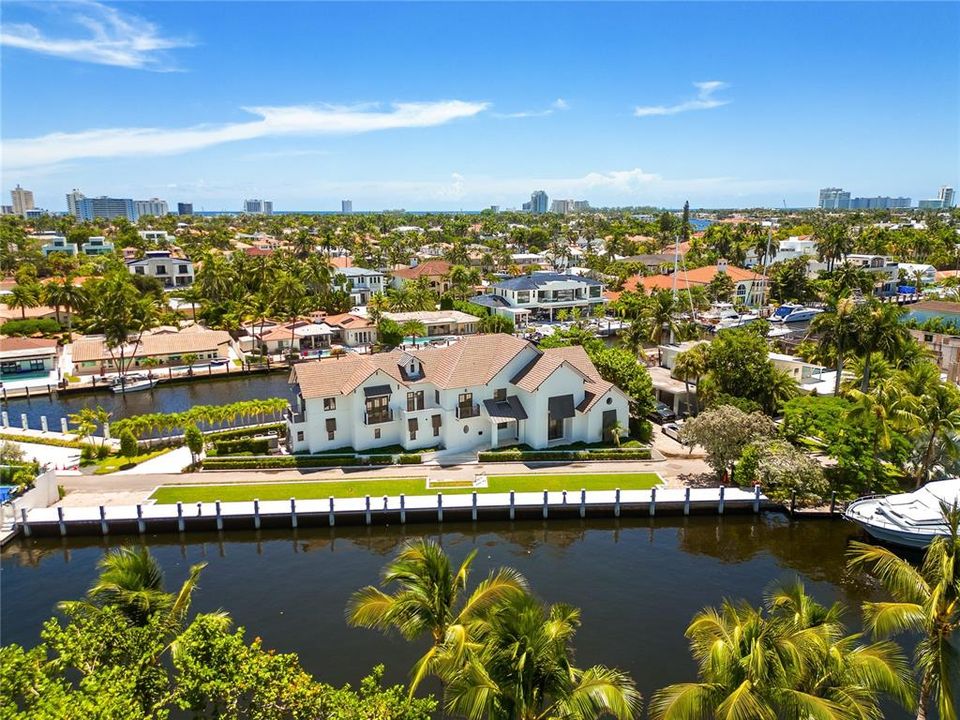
[378, 409]
[500, 394]
[329, 403]
[415, 401]
[161, 269]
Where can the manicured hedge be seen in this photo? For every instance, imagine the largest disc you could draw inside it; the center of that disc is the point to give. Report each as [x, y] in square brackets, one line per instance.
[47, 326]
[291, 461]
[411, 459]
[42, 440]
[246, 432]
[259, 446]
[540, 455]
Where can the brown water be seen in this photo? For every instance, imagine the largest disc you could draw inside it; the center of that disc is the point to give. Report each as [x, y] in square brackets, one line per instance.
[638, 582]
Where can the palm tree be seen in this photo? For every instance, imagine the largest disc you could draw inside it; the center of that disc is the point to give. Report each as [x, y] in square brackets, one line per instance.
[926, 601]
[413, 329]
[23, 297]
[879, 412]
[521, 668]
[428, 600]
[879, 329]
[660, 314]
[617, 430]
[836, 332]
[692, 364]
[780, 387]
[935, 414]
[787, 660]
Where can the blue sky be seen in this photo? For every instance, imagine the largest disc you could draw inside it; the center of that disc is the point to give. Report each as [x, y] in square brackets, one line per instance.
[447, 106]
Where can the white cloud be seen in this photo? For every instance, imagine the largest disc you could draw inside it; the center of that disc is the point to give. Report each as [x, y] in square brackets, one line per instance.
[111, 37]
[557, 105]
[295, 120]
[703, 101]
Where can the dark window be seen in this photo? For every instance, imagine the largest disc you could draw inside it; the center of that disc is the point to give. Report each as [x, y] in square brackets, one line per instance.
[609, 401]
[436, 396]
[415, 400]
[609, 420]
[36, 364]
[329, 403]
[330, 435]
[554, 428]
[500, 395]
[378, 409]
[376, 434]
[502, 426]
[299, 435]
[184, 270]
[436, 420]
[161, 269]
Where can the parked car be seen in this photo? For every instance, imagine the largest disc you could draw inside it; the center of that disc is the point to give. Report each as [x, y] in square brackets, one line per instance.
[662, 413]
[672, 430]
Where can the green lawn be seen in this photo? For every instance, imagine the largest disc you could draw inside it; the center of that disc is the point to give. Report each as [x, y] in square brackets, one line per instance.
[408, 486]
[120, 462]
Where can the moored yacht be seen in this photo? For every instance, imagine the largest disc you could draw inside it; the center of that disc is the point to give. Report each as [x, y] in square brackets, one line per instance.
[790, 313]
[910, 519]
[132, 383]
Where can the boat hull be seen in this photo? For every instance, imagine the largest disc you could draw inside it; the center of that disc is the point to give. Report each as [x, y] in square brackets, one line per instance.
[134, 387]
[892, 537]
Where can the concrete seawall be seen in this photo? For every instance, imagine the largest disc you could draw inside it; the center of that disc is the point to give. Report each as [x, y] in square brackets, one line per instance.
[399, 509]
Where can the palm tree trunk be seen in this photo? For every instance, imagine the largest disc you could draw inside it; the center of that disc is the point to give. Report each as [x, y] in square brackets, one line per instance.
[928, 455]
[924, 700]
[865, 382]
[836, 382]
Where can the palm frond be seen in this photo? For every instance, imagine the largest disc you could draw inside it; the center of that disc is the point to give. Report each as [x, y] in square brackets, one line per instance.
[370, 607]
[684, 701]
[901, 579]
[601, 691]
[892, 618]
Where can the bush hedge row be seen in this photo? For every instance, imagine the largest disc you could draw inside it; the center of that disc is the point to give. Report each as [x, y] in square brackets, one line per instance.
[258, 446]
[535, 455]
[42, 440]
[270, 462]
[246, 432]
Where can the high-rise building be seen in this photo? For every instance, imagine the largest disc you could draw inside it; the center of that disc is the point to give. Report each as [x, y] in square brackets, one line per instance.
[561, 206]
[930, 204]
[346, 206]
[258, 207]
[22, 200]
[153, 206]
[947, 196]
[581, 205]
[184, 208]
[834, 199]
[73, 199]
[879, 203]
[106, 207]
[538, 202]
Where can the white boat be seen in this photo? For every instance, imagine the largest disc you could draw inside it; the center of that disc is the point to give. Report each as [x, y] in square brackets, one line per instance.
[132, 383]
[723, 315]
[910, 519]
[790, 313]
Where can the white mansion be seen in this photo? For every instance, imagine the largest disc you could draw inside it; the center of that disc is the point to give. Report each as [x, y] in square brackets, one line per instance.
[483, 391]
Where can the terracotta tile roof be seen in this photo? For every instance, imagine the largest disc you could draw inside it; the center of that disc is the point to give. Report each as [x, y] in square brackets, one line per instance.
[540, 368]
[685, 279]
[430, 268]
[91, 349]
[24, 345]
[34, 313]
[473, 360]
[346, 320]
[341, 261]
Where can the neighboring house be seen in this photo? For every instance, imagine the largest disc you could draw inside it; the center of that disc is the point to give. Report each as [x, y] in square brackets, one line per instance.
[945, 349]
[793, 247]
[436, 272]
[544, 294]
[303, 336]
[22, 357]
[41, 312]
[910, 272]
[166, 346]
[811, 378]
[886, 271]
[525, 260]
[352, 330]
[361, 282]
[155, 236]
[54, 243]
[483, 391]
[97, 245]
[439, 322]
[749, 288]
[161, 264]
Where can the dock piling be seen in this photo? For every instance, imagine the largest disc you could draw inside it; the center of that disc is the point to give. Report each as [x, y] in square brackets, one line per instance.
[256, 514]
[544, 504]
[293, 513]
[366, 511]
[219, 516]
[720, 502]
[331, 513]
[403, 509]
[756, 498]
[63, 425]
[653, 502]
[583, 502]
[793, 503]
[5, 419]
[23, 421]
[43, 423]
[141, 526]
[512, 506]
[616, 504]
[439, 507]
[833, 502]
[473, 508]
[686, 501]
[61, 523]
[180, 526]
[26, 525]
[104, 528]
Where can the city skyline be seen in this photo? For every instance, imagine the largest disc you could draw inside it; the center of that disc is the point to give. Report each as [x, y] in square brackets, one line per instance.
[170, 108]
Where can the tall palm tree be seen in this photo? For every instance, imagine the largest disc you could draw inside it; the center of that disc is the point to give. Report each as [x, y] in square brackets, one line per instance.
[879, 329]
[836, 331]
[413, 329]
[24, 297]
[879, 412]
[926, 601]
[660, 313]
[787, 660]
[692, 364]
[521, 668]
[429, 600]
[935, 416]
[780, 387]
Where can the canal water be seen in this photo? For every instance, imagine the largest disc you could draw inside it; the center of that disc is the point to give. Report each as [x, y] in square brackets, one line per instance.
[165, 398]
[638, 582]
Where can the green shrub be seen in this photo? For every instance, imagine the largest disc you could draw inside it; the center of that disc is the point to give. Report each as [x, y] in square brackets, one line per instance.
[43, 440]
[47, 326]
[278, 428]
[128, 444]
[545, 455]
[270, 462]
[103, 451]
[410, 459]
[241, 445]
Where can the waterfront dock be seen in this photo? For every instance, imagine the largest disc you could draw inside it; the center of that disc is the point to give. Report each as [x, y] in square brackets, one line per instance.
[386, 510]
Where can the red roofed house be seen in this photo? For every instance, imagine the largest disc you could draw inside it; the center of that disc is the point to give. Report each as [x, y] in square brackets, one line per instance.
[749, 288]
[436, 270]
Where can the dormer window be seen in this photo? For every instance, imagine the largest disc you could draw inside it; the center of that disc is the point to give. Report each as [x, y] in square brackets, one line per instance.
[411, 367]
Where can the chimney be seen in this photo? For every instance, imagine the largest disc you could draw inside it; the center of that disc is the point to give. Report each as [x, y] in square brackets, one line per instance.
[722, 266]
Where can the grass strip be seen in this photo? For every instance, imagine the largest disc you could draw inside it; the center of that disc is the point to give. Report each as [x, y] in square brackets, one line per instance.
[379, 487]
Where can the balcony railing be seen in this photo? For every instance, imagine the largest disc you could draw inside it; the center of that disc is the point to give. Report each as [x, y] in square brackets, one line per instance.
[467, 411]
[293, 417]
[377, 418]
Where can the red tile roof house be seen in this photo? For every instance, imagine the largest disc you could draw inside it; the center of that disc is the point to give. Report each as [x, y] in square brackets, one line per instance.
[749, 287]
[436, 270]
[483, 391]
[25, 358]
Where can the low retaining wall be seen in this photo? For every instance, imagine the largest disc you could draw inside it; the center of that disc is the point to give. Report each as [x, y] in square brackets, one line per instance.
[386, 510]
